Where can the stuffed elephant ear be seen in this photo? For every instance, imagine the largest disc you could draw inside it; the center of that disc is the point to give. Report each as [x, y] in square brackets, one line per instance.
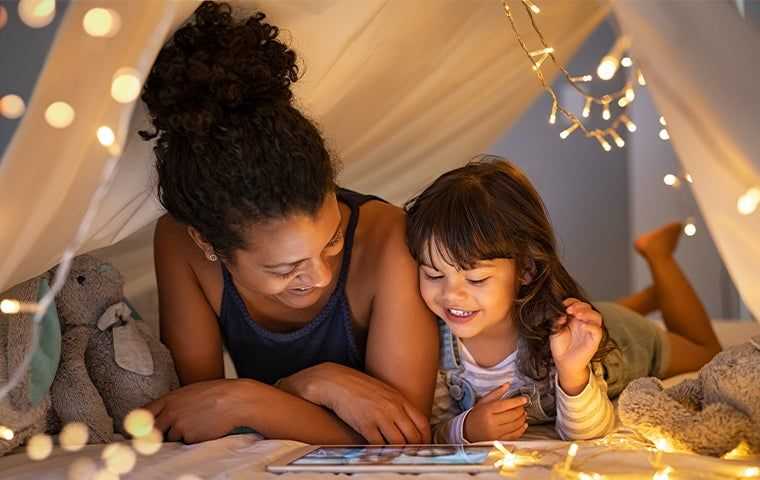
[131, 349]
[46, 353]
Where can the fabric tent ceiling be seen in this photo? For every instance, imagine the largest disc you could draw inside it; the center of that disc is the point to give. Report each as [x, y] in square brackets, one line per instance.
[401, 90]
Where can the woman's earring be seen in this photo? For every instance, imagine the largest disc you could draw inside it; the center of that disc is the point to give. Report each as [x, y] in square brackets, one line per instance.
[212, 257]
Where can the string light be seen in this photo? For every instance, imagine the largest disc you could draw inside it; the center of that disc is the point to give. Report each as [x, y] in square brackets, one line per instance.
[616, 138]
[13, 307]
[553, 115]
[74, 436]
[126, 85]
[532, 6]
[106, 136]
[12, 106]
[628, 123]
[587, 107]
[610, 62]
[606, 112]
[603, 142]
[630, 94]
[689, 178]
[120, 459]
[101, 22]
[540, 62]
[664, 135]
[582, 78]
[148, 444]
[36, 13]
[626, 62]
[139, 422]
[640, 78]
[670, 180]
[749, 201]
[82, 468]
[39, 447]
[105, 474]
[663, 474]
[690, 229]
[750, 472]
[566, 132]
[59, 115]
[623, 102]
[663, 122]
[572, 451]
[6, 433]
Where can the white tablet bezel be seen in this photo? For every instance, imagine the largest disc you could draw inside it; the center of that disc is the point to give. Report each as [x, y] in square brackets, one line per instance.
[282, 464]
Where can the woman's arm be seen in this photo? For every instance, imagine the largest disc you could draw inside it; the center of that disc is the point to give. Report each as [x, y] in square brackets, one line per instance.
[402, 344]
[209, 407]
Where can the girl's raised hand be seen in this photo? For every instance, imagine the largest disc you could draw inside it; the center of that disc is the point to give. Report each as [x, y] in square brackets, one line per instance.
[575, 343]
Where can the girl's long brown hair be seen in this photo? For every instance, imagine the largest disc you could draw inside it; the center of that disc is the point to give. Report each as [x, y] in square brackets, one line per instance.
[486, 210]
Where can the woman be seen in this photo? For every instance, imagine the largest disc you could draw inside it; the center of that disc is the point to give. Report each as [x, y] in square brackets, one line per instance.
[306, 284]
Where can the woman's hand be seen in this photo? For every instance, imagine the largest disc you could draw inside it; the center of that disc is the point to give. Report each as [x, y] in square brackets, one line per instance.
[575, 343]
[202, 411]
[375, 410]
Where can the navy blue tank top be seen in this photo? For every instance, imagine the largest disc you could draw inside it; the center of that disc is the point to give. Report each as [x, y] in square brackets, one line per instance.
[269, 356]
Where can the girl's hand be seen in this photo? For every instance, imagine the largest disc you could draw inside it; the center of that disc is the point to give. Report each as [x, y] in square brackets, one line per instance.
[575, 343]
[375, 410]
[494, 419]
[202, 411]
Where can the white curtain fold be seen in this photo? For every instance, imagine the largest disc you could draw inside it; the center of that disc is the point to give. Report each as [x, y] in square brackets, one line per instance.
[701, 64]
[401, 90]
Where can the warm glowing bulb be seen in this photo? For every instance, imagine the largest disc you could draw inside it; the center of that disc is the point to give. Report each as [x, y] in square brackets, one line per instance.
[12, 106]
[532, 6]
[617, 138]
[101, 22]
[689, 178]
[139, 422]
[10, 307]
[749, 201]
[36, 13]
[82, 468]
[663, 474]
[587, 107]
[59, 115]
[106, 136]
[126, 85]
[623, 101]
[670, 180]
[606, 112]
[566, 132]
[626, 62]
[750, 472]
[630, 126]
[6, 433]
[662, 121]
[74, 436]
[641, 79]
[119, 458]
[664, 135]
[630, 94]
[553, 114]
[607, 68]
[105, 474]
[39, 447]
[583, 78]
[573, 450]
[690, 230]
[148, 444]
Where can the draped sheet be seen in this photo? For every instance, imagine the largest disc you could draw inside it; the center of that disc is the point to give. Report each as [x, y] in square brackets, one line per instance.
[701, 64]
[401, 90]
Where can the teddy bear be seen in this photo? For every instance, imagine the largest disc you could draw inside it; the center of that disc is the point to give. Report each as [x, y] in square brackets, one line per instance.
[110, 363]
[709, 415]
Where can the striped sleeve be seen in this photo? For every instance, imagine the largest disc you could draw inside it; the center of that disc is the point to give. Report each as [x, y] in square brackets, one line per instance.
[590, 414]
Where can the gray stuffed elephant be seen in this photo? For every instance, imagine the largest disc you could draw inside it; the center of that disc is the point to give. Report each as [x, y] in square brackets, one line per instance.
[709, 415]
[96, 360]
[110, 363]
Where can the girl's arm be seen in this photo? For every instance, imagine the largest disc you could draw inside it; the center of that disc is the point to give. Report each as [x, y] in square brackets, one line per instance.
[208, 406]
[589, 414]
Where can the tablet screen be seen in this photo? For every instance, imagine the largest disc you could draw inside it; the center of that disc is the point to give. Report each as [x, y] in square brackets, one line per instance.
[397, 455]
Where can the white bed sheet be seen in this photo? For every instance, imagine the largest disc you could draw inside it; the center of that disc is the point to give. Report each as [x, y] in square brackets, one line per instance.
[246, 456]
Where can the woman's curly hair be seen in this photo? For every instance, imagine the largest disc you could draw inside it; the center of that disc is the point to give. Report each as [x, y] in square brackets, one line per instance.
[488, 209]
[231, 149]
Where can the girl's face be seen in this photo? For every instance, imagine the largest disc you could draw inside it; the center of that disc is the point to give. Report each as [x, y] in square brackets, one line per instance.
[293, 260]
[473, 301]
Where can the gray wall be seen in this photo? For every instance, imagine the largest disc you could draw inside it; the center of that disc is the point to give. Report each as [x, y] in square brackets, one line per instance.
[584, 187]
[22, 54]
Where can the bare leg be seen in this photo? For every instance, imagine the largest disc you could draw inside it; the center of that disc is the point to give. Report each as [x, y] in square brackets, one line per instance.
[692, 339]
[642, 302]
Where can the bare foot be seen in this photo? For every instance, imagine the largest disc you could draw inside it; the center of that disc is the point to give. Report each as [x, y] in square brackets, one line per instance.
[659, 243]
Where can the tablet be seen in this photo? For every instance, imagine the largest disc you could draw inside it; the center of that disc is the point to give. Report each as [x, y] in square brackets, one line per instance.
[387, 458]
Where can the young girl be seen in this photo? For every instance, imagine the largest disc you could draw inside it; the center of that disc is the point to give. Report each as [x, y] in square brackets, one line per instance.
[520, 343]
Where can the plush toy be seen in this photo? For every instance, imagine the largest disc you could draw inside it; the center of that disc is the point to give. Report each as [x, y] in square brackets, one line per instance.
[104, 360]
[709, 415]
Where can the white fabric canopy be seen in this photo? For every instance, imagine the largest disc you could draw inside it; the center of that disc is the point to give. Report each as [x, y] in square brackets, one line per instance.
[402, 91]
[701, 64]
